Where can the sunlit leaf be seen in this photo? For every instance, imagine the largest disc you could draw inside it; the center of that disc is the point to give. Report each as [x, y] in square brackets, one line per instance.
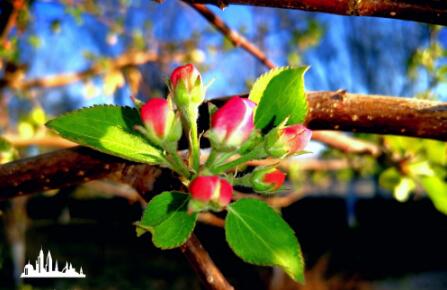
[437, 191]
[258, 235]
[109, 129]
[280, 95]
[403, 188]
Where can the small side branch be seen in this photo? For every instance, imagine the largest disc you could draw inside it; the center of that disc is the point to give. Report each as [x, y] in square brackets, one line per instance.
[232, 35]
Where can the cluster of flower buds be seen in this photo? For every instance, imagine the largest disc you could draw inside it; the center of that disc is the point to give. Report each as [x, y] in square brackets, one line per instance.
[232, 130]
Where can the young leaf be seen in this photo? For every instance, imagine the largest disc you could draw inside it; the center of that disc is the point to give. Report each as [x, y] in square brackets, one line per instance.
[109, 129]
[280, 95]
[258, 235]
[437, 191]
[258, 88]
[166, 217]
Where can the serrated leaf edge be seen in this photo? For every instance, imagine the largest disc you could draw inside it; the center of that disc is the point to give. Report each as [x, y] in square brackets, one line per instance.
[299, 255]
[154, 227]
[77, 140]
[269, 74]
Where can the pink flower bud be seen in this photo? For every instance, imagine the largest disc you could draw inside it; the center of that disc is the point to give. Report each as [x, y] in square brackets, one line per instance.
[285, 141]
[210, 191]
[232, 124]
[267, 179]
[186, 86]
[162, 124]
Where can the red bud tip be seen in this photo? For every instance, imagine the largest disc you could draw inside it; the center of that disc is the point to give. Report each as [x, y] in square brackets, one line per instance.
[232, 124]
[211, 189]
[275, 179]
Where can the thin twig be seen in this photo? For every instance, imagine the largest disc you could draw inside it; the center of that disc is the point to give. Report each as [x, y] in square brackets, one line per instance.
[44, 141]
[211, 219]
[232, 35]
[124, 60]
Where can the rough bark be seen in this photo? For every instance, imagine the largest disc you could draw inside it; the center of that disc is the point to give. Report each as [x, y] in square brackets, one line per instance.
[428, 11]
[377, 114]
[328, 110]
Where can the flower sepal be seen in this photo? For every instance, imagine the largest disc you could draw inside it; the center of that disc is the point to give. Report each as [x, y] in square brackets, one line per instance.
[186, 87]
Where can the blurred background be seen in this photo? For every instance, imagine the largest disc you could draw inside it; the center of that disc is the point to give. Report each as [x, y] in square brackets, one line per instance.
[363, 222]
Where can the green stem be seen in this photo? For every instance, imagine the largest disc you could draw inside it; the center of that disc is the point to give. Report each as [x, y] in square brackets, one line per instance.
[177, 163]
[182, 166]
[243, 181]
[195, 146]
[211, 158]
[257, 152]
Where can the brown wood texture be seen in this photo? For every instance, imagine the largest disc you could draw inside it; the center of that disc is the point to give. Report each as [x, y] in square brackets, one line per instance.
[205, 268]
[328, 110]
[377, 114]
[428, 11]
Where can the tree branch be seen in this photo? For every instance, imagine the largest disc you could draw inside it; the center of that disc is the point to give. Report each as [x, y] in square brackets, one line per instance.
[377, 114]
[336, 110]
[232, 35]
[428, 11]
[122, 61]
[205, 268]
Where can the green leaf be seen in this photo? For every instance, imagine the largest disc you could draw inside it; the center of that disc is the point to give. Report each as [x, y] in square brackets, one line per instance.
[280, 95]
[258, 88]
[166, 217]
[109, 129]
[258, 235]
[390, 178]
[437, 191]
[403, 189]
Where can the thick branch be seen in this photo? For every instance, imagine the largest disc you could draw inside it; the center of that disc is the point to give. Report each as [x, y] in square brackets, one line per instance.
[328, 110]
[428, 11]
[377, 114]
[68, 167]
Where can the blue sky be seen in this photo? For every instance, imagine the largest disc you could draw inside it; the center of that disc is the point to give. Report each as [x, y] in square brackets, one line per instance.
[339, 62]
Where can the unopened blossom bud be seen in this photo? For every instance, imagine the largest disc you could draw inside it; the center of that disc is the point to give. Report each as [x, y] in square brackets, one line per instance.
[232, 124]
[285, 141]
[161, 123]
[209, 192]
[267, 179]
[186, 86]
